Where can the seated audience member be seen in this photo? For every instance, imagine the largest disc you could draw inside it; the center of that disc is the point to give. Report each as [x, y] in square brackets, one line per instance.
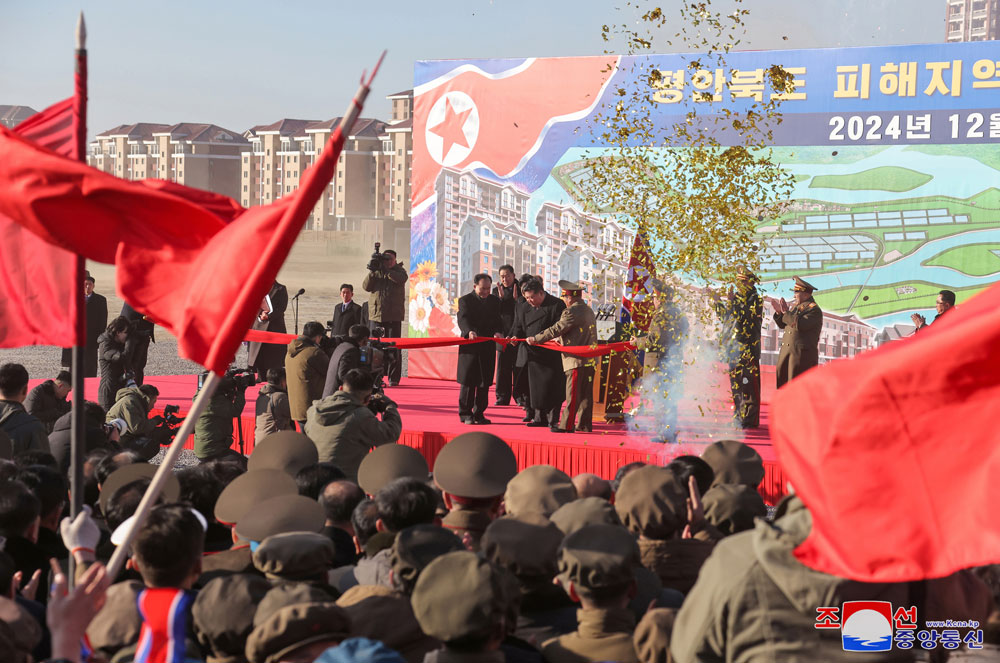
[213, 432]
[653, 506]
[339, 499]
[47, 401]
[223, 615]
[346, 357]
[313, 478]
[26, 459]
[97, 434]
[685, 467]
[297, 557]
[734, 462]
[200, 489]
[596, 569]
[19, 524]
[538, 489]
[51, 489]
[463, 601]
[591, 485]
[528, 548]
[652, 636]
[110, 462]
[344, 426]
[624, 470]
[25, 431]
[585, 511]
[297, 633]
[118, 624]
[272, 410]
[732, 508]
[368, 543]
[133, 405]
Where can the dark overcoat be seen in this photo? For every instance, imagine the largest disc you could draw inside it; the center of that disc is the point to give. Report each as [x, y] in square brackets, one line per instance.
[800, 341]
[477, 361]
[546, 380]
[263, 356]
[97, 321]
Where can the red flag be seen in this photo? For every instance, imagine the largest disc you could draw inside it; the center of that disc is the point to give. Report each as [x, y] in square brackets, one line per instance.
[897, 451]
[637, 299]
[178, 261]
[38, 291]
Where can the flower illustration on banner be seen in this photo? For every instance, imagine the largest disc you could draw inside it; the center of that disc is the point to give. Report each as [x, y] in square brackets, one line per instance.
[422, 289]
[420, 312]
[424, 272]
[440, 298]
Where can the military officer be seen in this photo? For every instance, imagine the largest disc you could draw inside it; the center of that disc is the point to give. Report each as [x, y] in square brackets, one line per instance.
[742, 316]
[802, 322]
[577, 326]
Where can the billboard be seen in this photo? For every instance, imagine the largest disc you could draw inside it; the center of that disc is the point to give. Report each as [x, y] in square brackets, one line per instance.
[892, 150]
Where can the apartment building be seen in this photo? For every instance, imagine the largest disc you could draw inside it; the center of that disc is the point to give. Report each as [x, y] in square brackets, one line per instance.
[11, 116]
[203, 156]
[971, 20]
[399, 144]
[842, 336]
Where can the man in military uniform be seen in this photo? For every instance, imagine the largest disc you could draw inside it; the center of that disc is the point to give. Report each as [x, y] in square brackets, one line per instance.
[577, 326]
[663, 362]
[478, 316]
[742, 315]
[802, 322]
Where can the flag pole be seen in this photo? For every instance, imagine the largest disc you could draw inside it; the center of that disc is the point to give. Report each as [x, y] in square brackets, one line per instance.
[79, 314]
[208, 389]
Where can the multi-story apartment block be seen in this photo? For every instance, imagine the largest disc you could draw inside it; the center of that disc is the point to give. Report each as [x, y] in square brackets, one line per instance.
[11, 116]
[842, 336]
[399, 144]
[203, 156]
[971, 20]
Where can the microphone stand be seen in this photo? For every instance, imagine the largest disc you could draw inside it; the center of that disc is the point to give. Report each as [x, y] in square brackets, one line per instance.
[295, 301]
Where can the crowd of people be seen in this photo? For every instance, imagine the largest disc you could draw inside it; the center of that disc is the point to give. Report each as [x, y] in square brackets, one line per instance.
[295, 555]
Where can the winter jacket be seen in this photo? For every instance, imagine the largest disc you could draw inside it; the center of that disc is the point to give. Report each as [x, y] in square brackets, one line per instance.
[344, 430]
[26, 432]
[213, 432]
[43, 403]
[388, 288]
[111, 359]
[132, 406]
[305, 372]
[94, 437]
[273, 414]
[602, 635]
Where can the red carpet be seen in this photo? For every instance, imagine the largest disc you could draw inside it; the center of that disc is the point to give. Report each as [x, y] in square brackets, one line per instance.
[429, 409]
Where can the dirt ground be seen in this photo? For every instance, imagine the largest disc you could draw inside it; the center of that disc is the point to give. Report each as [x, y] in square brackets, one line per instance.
[318, 265]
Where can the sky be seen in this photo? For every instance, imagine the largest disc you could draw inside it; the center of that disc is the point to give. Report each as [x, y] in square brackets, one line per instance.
[239, 64]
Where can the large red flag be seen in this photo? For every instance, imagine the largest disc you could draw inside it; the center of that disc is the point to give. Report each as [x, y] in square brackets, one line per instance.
[177, 259]
[897, 451]
[38, 291]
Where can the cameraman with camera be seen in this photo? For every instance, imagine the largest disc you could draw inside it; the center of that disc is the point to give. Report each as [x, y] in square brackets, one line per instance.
[213, 432]
[143, 434]
[386, 280]
[345, 357]
[345, 425]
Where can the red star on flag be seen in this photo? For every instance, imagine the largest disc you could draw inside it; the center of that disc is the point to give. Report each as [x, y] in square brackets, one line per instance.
[451, 128]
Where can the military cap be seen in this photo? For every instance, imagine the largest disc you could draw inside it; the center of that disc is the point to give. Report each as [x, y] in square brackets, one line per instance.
[223, 614]
[538, 489]
[731, 508]
[734, 462]
[802, 286]
[568, 287]
[527, 546]
[476, 465]
[294, 556]
[652, 502]
[651, 638]
[129, 473]
[285, 450]
[459, 595]
[587, 511]
[296, 626]
[416, 547]
[744, 274]
[360, 650]
[277, 515]
[285, 594]
[118, 623]
[250, 489]
[471, 521]
[598, 557]
[389, 462]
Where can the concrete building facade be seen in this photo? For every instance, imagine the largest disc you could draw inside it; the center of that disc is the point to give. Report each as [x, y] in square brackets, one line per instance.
[971, 20]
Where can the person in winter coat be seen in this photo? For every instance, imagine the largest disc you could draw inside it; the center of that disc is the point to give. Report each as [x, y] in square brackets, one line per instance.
[273, 414]
[344, 428]
[213, 432]
[265, 356]
[305, 370]
[47, 401]
[25, 431]
[111, 360]
[97, 434]
[133, 405]
[387, 305]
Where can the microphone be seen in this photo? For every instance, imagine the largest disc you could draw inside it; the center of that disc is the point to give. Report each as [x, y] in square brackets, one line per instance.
[301, 291]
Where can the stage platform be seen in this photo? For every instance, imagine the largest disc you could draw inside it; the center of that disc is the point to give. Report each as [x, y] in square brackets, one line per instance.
[429, 409]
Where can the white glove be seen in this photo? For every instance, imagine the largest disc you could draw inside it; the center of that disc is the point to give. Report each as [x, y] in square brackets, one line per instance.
[80, 533]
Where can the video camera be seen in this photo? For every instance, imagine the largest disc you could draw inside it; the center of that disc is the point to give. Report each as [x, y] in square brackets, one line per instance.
[242, 378]
[375, 263]
[169, 424]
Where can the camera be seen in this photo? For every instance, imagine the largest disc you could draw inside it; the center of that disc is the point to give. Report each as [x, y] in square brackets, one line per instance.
[378, 403]
[375, 263]
[170, 417]
[242, 377]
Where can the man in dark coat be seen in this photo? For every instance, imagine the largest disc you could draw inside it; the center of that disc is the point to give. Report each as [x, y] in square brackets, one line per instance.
[47, 401]
[546, 381]
[387, 304]
[509, 293]
[263, 356]
[742, 315]
[97, 321]
[346, 356]
[802, 323]
[478, 316]
[348, 313]
[137, 344]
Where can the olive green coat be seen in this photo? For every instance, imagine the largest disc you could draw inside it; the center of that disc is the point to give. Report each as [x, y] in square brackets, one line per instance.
[577, 326]
[800, 342]
[388, 288]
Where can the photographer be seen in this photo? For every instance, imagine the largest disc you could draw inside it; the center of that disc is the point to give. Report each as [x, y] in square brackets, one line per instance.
[386, 280]
[137, 345]
[213, 432]
[142, 433]
[345, 357]
[97, 433]
[345, 425]
[272, 410]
